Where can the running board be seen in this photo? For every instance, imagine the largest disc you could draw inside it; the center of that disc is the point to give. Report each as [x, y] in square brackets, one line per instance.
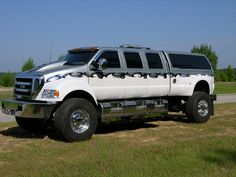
[132, 109]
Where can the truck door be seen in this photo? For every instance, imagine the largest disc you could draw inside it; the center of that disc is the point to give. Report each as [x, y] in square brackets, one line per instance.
[136, 84]
[182, 72]
[108, 84]
[158, 79]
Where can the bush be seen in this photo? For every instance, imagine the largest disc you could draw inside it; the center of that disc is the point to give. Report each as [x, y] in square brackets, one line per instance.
[7, 79]
[223, 77]
[230, 73]
[226, 75]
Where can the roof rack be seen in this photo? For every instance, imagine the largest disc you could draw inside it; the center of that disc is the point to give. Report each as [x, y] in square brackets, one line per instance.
[134, 46]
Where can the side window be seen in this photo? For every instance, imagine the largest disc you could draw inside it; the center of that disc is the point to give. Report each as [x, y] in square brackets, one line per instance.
[154, 61]
[184, 61]
[133, 60]
[112, 59]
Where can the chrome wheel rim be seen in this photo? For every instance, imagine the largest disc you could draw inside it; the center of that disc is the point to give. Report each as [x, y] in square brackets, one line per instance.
[203, 108]
[80, 121]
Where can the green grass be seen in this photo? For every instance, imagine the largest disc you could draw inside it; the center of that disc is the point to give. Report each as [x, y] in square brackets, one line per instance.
[5, 94]
[225, 87]
[163, 148]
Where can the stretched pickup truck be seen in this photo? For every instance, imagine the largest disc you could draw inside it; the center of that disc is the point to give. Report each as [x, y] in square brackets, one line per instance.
[104, 84]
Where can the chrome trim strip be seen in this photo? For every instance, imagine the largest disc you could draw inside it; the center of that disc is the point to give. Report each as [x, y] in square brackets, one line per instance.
[23, 90]
[23, 83]
[132, 109]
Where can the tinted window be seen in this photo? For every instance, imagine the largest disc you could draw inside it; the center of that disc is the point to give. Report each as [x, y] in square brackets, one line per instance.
[79, 58]
[133, 60]
[189, 61]
[154, 61]
[112, 59]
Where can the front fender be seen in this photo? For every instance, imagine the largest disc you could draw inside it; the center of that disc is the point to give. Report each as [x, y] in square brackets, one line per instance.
[66, 86]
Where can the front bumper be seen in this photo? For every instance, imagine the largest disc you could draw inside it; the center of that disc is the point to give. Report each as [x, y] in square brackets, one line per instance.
[28, 109]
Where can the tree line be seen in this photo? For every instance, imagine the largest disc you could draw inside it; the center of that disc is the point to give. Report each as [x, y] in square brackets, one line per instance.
[8, 79]
[223, 75]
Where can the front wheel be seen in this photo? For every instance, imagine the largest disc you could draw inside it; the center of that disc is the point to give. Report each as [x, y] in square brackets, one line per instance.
[198, 107]
[76, 119]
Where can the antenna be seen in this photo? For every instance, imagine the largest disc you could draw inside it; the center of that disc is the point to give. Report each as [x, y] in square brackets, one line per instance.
[50, 52]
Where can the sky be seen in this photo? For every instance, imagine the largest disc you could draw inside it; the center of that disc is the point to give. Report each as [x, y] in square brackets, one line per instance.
[36, 28]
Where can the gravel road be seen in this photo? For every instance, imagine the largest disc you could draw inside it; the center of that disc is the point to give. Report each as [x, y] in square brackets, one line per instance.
[5, 89]
[226, 98]
[223, 98]
[6, 118]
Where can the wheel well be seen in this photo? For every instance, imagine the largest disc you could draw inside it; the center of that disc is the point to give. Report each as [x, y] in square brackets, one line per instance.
[81, 94]
[87, 96]
[75, 94]
[202, 86]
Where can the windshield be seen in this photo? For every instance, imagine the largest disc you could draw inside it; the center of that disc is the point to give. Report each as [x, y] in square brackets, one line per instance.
[79, 58]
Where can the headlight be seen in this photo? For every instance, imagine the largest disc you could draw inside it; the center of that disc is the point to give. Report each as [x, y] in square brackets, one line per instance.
[50, 94]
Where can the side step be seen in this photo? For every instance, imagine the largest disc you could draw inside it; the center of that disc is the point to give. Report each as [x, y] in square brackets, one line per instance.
[132, 109]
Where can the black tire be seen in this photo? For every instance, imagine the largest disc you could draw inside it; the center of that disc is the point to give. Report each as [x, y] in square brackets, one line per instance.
[198, 107]
[32, 125]
[81, 111]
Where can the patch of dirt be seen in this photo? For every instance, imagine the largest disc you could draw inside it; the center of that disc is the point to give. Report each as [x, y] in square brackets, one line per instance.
[8, 143]
[2, 163]
[5, 89]
[225, 112]
[229, 131]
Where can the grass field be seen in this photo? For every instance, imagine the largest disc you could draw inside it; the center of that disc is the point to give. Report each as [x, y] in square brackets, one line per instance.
[225, 87]
[163, 148]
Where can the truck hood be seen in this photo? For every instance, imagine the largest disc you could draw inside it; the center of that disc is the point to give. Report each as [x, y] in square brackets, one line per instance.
[53, 69]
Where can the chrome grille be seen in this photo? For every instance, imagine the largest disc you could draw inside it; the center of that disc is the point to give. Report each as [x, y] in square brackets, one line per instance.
[27, 88]
[23, 86]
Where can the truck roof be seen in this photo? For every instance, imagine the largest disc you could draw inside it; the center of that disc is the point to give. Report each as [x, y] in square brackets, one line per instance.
[128, 46]
[124, 46]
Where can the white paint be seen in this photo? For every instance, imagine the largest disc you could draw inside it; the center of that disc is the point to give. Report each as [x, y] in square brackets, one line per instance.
[130, 87]
[185, 85]
[66, 86]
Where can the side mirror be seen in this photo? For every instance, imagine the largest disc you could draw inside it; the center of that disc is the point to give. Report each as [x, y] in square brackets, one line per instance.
[102, 63]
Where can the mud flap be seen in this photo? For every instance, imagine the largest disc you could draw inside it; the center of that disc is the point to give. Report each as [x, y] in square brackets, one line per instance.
[212, 99]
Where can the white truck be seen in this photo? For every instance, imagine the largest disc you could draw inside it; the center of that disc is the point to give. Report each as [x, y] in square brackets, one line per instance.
[104, 84]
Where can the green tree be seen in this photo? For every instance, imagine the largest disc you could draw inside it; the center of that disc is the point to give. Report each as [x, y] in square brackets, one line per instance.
[61, 57]
[229, 73]
[29, 64]
[234, 74]
[207, 50]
